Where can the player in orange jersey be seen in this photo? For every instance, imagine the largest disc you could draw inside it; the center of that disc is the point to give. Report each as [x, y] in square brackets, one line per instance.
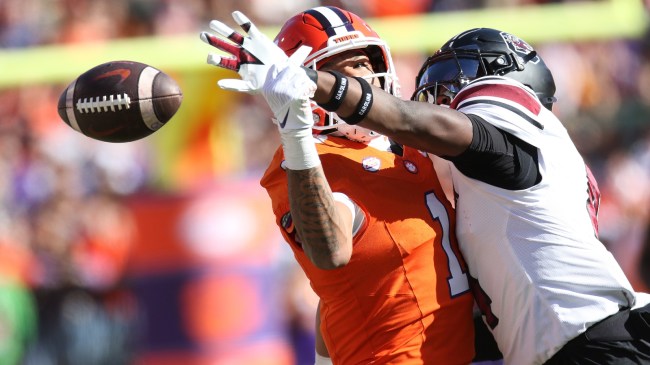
[368, 221]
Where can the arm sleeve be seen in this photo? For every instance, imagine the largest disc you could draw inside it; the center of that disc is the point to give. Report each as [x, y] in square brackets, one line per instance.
[498, 158]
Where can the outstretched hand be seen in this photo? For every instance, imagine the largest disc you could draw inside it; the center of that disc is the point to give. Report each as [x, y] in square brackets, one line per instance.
[251, 56]
[264, 68]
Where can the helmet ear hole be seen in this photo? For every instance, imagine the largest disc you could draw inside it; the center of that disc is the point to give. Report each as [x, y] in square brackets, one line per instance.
[503, 64]
[497, 65]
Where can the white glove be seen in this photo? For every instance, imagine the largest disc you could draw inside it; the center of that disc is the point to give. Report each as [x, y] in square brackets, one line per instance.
[250, 56]
[287, 91]
[263, 66]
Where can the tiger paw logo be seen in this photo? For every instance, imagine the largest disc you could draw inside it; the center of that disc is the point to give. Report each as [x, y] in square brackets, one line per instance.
[410, 167]
[372, 164]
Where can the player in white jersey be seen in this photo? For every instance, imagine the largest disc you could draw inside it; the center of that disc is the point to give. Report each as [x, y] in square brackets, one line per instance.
[526, 203]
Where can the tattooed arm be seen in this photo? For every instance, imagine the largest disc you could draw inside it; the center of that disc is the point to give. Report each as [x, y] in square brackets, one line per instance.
[323, 224]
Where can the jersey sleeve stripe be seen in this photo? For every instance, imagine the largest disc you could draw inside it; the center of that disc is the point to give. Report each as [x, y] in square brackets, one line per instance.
[511, 92]
[508, 107]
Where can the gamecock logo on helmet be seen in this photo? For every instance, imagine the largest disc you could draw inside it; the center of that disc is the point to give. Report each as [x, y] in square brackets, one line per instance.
[519, 46]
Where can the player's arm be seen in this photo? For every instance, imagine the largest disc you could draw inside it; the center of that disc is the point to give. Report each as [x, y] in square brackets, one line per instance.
[439, 130]
[323, 224]
[324, 227]
[477, 148]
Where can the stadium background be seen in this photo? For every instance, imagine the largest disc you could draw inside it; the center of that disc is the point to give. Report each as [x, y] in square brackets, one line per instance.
[164, 251]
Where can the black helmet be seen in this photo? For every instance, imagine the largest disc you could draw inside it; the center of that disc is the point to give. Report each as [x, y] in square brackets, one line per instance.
[481, 52]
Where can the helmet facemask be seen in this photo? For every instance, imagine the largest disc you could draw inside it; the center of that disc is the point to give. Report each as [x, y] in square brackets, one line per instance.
[446, 73]
[443, 75]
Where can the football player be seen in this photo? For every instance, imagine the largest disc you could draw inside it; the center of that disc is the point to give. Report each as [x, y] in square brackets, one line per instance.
[526, 204]
[367, 221]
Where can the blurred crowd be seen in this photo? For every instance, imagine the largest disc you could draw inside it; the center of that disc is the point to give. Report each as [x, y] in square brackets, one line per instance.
[26, 23]
[76, 284]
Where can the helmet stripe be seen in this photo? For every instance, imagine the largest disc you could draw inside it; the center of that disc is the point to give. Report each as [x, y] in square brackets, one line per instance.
[346, 21]
[331, 19]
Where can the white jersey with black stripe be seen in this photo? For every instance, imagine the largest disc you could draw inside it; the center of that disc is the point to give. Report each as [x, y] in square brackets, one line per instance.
[545, 276]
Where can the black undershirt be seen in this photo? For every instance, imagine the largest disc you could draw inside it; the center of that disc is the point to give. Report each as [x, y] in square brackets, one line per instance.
[498, 158]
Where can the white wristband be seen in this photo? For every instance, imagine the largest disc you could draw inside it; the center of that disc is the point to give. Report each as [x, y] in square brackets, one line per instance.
[299, 149]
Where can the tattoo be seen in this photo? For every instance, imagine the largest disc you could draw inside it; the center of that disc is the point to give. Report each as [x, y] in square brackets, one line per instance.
[314, 212]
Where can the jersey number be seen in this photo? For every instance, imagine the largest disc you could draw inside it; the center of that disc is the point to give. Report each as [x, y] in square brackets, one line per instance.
[457, 280]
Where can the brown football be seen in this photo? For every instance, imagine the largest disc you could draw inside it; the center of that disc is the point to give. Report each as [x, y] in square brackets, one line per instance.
[120, 101]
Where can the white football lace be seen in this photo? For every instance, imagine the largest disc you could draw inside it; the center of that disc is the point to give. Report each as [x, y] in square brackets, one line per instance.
[111, 102]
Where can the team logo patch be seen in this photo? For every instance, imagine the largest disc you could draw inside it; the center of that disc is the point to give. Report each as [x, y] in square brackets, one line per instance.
[371, 164]
[519, 46]
[410, 167]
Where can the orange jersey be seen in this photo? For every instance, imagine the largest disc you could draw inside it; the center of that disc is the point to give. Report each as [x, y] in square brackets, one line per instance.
[403, 298]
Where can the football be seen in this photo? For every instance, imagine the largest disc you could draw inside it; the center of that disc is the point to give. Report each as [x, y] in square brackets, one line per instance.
[120, 101]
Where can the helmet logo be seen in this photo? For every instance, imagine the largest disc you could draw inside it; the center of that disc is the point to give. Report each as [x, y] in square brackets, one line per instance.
[518, 46]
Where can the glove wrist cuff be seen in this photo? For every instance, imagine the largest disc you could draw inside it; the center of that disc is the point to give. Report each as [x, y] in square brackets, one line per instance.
[299, 149]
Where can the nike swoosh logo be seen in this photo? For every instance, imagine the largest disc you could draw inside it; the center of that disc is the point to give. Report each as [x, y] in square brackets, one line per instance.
[284, 121]
[123, 73]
